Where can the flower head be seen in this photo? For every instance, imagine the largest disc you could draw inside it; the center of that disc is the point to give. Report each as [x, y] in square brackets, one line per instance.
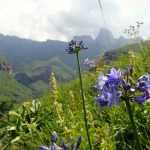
[43, 147]
[101, 82]
[54, 137]
[140, 99]
[108, 88]
[114, 77]
[109, 97]
[75, 47]
[115, 74]
[143, 84]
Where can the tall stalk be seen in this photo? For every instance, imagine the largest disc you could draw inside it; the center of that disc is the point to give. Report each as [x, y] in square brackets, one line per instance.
[131, 117]
[130, 113]
[83, 101]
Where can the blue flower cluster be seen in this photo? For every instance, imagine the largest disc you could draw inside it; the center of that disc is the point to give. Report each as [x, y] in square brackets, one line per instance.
[143, 85]
[75, 47]
[110, 88]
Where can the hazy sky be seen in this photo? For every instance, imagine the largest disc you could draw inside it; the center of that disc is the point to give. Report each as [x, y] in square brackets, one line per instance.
[61, 19]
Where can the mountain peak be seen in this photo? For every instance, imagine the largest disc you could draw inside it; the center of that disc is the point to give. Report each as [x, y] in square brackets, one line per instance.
[105, 34]
[85, 38]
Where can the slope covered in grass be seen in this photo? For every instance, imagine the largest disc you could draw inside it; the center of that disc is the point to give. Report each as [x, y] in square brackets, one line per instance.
[11, 91]
[31, 124]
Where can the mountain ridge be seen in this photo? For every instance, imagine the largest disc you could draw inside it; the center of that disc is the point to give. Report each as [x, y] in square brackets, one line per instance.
[22, 53]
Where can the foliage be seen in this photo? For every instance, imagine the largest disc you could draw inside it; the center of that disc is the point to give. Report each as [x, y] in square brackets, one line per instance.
[31, 124]
[11, 92]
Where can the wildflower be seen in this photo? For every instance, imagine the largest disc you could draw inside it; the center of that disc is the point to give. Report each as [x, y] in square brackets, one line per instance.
[54, 137]
[108, 88]
[109, 96]
[53, 86]
[109, 93]
[143, 82]
[57, 106]
[53, 145]
[114, 77]
[75, 47]
[101, 82]
[42, 147]
[141, 99]
[143, 85]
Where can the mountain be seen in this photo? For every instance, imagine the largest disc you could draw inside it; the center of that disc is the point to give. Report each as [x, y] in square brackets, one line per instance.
[104, 41]
[86, 38]
[31, 59]
[39, 72]
[24, 51]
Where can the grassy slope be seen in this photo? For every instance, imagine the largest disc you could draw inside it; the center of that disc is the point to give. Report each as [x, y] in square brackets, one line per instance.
[110, 128]
[11, 91]
[39, 68]
[55, 63]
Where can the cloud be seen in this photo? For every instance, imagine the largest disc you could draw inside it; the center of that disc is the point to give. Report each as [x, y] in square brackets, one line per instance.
[61, 19]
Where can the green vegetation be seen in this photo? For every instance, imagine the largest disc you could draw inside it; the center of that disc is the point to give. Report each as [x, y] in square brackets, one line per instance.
[29, 125]
[11, 92]
[61, 70]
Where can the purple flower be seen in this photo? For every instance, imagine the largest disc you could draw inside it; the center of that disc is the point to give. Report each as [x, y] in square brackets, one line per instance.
[143, 98]
[101, 82]
[43, 147]
[146, 96]
[102, 100]
[143, 84]
[54, 137]
[114, 77]
[115, 74]
[75, 47]
[140, 99]
[108, 88]
[109, 97]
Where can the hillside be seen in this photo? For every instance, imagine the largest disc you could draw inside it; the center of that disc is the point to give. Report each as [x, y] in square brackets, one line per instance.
[26, 51]
[11, 92]
[33, 61]
[61, 110]
[33, 78]
[36, 75]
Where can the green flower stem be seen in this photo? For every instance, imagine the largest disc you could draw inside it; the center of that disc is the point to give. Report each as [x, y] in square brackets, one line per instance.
[83, 101]
[130, 113]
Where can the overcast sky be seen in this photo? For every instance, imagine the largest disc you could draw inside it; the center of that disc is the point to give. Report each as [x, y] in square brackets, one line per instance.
[61, 19]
